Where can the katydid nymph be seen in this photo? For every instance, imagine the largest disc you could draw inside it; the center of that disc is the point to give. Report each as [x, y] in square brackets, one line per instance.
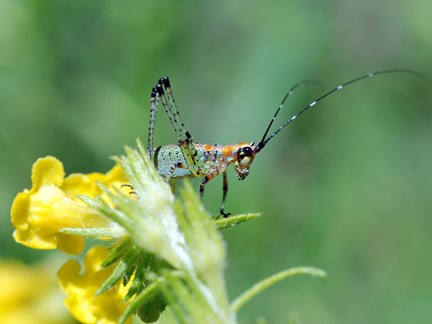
[190, 159]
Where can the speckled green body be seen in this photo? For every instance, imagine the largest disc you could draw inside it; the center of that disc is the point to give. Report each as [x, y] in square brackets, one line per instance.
[211, 160]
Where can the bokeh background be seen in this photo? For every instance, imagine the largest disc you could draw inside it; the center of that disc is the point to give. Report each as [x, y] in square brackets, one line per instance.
[347, 187]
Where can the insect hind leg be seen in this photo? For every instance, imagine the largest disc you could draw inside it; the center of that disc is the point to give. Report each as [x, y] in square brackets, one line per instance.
[185, 139]
[154, 103]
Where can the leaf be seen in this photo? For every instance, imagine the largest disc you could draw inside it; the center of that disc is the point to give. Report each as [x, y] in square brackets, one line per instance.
[231, 221]
[270, 281]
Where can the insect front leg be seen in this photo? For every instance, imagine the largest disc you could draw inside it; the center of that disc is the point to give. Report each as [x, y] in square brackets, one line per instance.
[206, 179]
[224, 194]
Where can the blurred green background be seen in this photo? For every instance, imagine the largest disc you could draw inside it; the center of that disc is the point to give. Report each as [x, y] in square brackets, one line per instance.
[347, 187]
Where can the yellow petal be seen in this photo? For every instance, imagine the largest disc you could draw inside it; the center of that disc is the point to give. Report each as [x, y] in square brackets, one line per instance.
[86, 184]
[40, 214]
[81, 289]
[47, 171]
[30, 295]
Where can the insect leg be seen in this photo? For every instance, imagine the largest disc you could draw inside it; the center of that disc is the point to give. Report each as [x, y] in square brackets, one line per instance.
[225, 190]
[132, 191]
[185, 139]
[169, 177]
[154, 103]
[202, 184]
[206, 179]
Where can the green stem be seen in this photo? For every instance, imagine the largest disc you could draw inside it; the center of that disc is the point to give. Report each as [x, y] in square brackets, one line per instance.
[270, 281]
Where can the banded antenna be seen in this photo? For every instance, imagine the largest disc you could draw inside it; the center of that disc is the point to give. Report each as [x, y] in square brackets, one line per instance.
[262, 143]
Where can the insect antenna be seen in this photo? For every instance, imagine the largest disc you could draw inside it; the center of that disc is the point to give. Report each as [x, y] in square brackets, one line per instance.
[265, 140]
[289, 93]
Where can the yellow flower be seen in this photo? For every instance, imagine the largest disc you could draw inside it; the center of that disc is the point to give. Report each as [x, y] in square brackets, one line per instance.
[39, 214]
[80, 289]
[30, 295]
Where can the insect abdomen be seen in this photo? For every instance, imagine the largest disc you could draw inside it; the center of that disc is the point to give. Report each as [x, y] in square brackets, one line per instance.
[167, 158]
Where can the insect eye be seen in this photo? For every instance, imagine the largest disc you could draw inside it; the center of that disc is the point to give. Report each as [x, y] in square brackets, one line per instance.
[244, 152]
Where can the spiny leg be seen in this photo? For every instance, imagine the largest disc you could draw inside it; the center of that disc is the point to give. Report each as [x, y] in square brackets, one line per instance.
[224, 194]
[185, 139]
[154, 103]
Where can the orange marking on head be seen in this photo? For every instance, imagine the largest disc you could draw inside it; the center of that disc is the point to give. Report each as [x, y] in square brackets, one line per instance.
[227, 150]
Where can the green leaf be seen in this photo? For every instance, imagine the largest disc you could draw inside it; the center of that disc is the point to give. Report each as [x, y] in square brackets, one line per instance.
[231, 221]
[270, 281]
[115, 276]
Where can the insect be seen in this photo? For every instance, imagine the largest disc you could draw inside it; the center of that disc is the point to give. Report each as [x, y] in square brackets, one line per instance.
[191, 159]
